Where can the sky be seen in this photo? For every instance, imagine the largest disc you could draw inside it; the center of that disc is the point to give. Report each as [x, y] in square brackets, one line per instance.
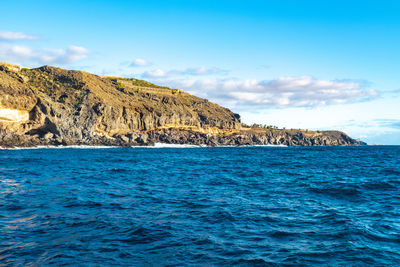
[315, 65]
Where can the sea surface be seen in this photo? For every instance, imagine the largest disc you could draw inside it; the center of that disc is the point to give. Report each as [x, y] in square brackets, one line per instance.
[245, 206]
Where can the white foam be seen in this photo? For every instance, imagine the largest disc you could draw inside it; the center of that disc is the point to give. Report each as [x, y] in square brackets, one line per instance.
[156, 145]
[164, 145]
[268, 145]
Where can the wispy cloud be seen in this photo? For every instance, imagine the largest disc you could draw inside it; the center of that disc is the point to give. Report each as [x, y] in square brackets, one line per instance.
[138, 62]
[395, 93]
[374, 131]
[15, 36]
[198, 71]
[202, 71]
[381, 123]
[304, 91]
[390, 123]
[26, 55]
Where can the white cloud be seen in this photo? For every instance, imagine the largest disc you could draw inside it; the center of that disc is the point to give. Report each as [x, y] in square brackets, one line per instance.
[21, 51]
[15, 36]
[25, 55]
[199, 71]
[139, 63]
[304, 91]
[20, 54]
[72, 54]
[155, 74]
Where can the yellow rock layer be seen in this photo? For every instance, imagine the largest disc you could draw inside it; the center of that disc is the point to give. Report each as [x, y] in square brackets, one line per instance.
[13, 115]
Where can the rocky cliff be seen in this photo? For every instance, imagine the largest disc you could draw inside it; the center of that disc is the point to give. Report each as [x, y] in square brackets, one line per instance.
[53, 106]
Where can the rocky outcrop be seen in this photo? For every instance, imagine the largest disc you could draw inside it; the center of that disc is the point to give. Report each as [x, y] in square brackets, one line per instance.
[52, 106]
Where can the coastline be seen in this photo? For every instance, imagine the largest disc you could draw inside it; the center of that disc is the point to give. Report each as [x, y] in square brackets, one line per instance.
[161, 146]
[50, 106]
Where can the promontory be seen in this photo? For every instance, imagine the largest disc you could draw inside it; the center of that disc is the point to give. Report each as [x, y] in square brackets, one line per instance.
[54, 106]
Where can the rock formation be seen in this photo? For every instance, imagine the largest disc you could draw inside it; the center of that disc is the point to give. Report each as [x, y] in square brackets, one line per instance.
[53, 106]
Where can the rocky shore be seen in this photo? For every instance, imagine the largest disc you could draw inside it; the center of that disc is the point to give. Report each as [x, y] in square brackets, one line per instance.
[53, 106]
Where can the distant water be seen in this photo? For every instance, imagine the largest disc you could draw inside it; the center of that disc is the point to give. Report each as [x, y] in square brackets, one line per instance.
[200, 206]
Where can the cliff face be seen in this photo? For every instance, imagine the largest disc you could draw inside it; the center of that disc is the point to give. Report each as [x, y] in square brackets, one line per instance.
[52, 106]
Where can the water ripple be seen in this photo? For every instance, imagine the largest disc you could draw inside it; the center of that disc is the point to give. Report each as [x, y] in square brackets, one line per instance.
[200, 206]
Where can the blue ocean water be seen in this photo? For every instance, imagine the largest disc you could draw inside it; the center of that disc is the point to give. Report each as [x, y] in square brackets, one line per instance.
[246, 206]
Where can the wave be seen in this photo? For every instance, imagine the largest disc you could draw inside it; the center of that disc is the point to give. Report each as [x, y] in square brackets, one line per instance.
[165, 145]
[268, 145]
[156, 145]
[223, 206]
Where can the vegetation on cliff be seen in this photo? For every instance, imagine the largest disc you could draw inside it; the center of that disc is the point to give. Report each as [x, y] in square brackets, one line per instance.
[53, 106]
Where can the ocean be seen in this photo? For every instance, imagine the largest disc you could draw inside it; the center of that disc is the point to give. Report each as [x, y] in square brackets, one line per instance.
[208, 206]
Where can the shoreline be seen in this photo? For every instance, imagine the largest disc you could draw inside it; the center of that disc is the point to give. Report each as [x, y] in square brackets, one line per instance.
[156, 145]
[161, 145]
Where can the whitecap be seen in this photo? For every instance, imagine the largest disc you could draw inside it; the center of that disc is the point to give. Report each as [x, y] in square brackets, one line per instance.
[165, 145]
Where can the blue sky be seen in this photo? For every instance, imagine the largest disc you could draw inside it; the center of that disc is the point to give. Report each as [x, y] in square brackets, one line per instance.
[294, 64]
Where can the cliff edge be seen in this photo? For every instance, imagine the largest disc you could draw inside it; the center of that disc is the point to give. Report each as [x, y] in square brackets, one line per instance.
[53, 106]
